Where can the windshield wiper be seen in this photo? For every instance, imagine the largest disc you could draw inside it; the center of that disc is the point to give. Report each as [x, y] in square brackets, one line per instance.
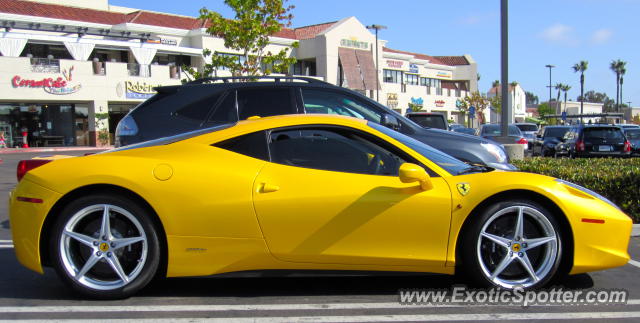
[476, 169]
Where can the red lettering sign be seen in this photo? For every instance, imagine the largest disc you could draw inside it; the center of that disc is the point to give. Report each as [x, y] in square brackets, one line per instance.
[17, 81]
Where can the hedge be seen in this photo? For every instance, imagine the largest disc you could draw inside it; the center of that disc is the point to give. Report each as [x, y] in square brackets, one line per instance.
[617, 179]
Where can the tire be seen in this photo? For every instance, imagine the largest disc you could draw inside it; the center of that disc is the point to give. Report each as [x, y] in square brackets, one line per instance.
[105, 259]
[494, 254]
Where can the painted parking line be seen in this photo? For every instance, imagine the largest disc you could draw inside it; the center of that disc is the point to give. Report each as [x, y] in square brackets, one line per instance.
[395, 318]
[634, 263]
[248, 307]
[6, 244]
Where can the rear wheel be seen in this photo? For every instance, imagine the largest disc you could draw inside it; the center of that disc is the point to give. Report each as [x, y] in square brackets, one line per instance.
[513, 244]
[105, 246]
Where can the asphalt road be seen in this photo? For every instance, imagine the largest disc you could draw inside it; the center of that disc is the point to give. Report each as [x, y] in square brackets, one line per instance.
[284, 297]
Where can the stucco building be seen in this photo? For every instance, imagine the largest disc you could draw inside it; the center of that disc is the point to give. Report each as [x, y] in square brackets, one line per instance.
[71, 67]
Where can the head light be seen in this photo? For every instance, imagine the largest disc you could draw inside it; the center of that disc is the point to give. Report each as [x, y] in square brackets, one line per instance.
[588, 191]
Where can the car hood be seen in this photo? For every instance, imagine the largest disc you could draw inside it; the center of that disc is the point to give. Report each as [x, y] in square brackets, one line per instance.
[468, 148]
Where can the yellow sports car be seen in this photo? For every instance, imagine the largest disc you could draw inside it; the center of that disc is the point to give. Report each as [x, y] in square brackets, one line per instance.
[302, 192]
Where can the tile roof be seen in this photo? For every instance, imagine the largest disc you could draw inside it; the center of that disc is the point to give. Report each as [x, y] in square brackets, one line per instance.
[312, 31]
[163, 20]
[30, 8]
[431, 59]
[453, 60]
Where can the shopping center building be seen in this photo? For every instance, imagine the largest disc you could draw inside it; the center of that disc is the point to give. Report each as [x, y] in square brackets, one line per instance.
[70, 67]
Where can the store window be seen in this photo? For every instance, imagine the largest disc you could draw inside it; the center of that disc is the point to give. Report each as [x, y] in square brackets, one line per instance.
[392, 76]
[240, 59]
[425, 81]
[411, 79]
[40, 125]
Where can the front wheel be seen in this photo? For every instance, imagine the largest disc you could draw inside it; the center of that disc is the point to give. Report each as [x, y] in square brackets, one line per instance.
[105, 246]
[514, 244]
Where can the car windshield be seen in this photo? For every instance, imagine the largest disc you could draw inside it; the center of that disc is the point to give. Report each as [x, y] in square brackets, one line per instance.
[494, 130]
[603, 133]
[633, 133]
[555, 132]
[443, 160]
[527, 127]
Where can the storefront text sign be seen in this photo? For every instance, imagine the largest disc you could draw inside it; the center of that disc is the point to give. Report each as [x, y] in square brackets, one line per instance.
[413, 68]
[395, 64]
[354, 43]
[392, 100]
[444, 75]
[137, 90]
[57, 86]
[439, 103]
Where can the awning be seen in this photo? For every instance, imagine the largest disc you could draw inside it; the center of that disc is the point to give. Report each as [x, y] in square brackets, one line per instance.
[358, 68]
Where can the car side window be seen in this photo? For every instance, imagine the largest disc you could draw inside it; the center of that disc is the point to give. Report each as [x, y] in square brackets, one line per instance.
[198, 110]
[252, 145]
[332, 149]
[226, 111]
[329, 102]
[264, 102]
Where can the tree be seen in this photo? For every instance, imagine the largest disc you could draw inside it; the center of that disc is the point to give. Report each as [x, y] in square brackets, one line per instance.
[531, 98]
[495, 83]
[622, 72]
[476, 100]
[617, 66]
[558, 87]
[496, 103]
[248, 33]
[565, 88]
[608, 104]
[545, 109]
[581, 67]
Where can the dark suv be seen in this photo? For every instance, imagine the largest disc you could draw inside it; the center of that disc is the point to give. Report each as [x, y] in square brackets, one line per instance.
[594, 140]
[213, 101]
[429, 119]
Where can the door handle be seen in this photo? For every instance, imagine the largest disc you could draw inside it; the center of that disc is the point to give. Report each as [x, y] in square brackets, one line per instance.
[268, 188]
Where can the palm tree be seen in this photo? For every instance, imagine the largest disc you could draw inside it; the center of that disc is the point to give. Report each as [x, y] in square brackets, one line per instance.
[558, 87]
[617, 66]
[623, 70]
[565, 88]
[580, 68]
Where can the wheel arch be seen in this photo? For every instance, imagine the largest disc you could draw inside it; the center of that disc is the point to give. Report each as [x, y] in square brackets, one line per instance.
[101, 189]
[561, 217]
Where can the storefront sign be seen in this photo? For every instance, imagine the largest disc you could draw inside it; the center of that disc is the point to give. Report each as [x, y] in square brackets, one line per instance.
[57, 86]
[163, 41]
[439, 103]
[354, 43]
[137, 90]
[413, 68]
[392, 100]
[417, 101]
[395, 64]
[444, 75]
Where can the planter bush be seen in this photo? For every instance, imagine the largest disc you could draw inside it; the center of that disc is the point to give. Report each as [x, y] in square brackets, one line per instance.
[617, 179]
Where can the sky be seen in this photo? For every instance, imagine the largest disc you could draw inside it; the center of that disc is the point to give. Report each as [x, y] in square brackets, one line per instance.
[541, 32]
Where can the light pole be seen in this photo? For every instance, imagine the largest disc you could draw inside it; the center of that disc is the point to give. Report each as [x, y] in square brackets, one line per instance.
[504, 65]
[549, 66]
[377, 27]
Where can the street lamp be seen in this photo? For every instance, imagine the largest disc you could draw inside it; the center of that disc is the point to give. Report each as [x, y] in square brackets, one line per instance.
[549, 66]
[377, 27]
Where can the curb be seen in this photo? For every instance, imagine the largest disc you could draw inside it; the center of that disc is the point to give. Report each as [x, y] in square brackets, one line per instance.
[50, 149]
[635, 232]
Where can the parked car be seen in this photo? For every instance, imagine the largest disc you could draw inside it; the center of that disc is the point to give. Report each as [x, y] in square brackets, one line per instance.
[594, 140]
[626, 127]
[633, 135]
[529, 131]
[213, 101]
[468, 131]
[545, 144]
[454, 126]
[490, 131]
[429, 120]
[305, 192]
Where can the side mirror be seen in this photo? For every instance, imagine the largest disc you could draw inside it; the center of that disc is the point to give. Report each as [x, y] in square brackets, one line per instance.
[390, 121]
[410, 173]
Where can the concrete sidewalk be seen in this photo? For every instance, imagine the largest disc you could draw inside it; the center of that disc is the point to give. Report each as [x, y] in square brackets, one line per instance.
[50, 149]
[636, 230]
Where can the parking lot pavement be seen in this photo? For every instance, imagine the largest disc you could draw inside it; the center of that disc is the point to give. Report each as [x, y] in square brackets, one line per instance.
[272, 297]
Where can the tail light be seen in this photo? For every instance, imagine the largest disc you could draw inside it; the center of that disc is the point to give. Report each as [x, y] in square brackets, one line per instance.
[26, 165]
[579, 145]
[627, 146]
[522, 141]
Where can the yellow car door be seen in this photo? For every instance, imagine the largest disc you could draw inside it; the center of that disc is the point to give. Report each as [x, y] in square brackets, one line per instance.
[333, 196]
